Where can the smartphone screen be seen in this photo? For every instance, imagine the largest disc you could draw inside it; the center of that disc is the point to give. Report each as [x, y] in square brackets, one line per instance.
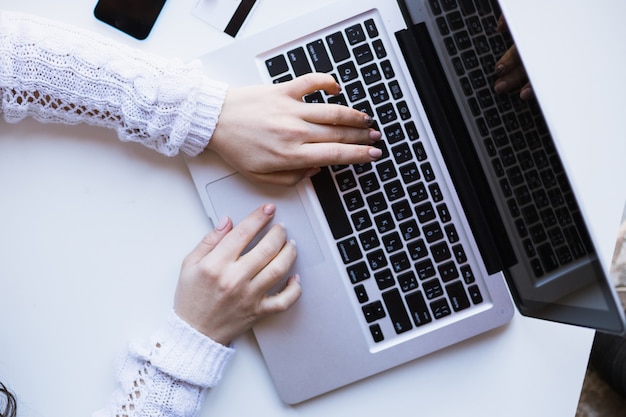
[134, 17]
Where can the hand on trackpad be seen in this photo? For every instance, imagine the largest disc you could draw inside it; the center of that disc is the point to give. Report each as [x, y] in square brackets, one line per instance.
[237, 197]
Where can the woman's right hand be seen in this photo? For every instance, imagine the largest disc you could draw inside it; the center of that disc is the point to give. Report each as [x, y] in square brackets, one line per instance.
[222, 292]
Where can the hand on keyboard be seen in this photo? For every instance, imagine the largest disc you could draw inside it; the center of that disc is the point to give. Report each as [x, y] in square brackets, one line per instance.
[510, 70]
[270, 135]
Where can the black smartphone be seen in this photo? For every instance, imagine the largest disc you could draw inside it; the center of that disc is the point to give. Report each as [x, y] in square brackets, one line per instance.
[134, 17]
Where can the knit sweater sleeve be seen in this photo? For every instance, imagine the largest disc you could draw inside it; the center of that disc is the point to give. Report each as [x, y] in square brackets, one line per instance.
[168, 375]
[57, 73]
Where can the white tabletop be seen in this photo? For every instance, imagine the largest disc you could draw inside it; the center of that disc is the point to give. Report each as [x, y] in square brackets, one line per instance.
[92, 233]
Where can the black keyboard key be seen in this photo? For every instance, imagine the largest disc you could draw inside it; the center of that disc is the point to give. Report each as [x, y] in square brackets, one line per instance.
[277, 65]
[467, 7]
[432, 289]
[347, 72]
[353, 200]
[440, 252]
[402, 153]
[370, 27]
[409, 230]
[425, 269]
[407, 281]
[355, 91]
[361, 294]
[361, 220]
[547, 257]
[363, 54]
[392, 242]
[369, 240]
[349, 250]
[399, 262]
[315, 97]
[440, 308]
[331, 204]
[355, 34]
[417, 192]
[457, 295]
[384, 279]
[448, 271]
[338, 48]
[401, 210]
[376, 203]
[298, 61]
[475, 294]
[397, 312]
[358, 272]
[373, 311]
[379, 49]
[425, 212]
[377, 333]
[386, 171]
[394, 190]
[410, 173]
[417, 249]
[319, 56]
[345, 181]
[418, 308]
[369, 183]
[384, 222]
[371, 74]
[377, 259]
[386, 113]
[387, 69]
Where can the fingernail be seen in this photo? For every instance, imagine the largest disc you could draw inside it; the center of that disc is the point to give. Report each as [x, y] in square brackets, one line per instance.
[296, 278]
[500, 87]
[526, 93]
[293, 242]
[222, 224]
[500, 68]
[269, 209]
[375, 135]
[375, 153]
[369, 120]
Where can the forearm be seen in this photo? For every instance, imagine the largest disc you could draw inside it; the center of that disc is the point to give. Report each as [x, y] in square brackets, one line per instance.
[169, 375]
[56, 73]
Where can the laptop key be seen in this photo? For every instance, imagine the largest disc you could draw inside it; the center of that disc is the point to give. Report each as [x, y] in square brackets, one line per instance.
[458, 296]
[338, 48]
[319, 56]
[397, 312]
[418, 308]
[299, 62]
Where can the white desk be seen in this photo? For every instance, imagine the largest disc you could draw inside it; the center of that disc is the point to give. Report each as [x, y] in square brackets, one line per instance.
[92, 233]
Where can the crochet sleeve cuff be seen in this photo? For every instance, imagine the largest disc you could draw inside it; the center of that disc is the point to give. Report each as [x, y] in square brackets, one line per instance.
[185, 354]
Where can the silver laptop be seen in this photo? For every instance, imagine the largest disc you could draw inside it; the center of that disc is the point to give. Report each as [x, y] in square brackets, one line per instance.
[468, 210]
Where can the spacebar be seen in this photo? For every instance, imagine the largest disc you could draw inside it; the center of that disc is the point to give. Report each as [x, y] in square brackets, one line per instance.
[331, 203]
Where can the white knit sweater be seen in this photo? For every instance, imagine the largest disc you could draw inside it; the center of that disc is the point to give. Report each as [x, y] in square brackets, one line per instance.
[56, 73]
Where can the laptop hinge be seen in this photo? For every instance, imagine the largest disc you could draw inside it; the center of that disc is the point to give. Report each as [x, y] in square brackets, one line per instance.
[457, 148]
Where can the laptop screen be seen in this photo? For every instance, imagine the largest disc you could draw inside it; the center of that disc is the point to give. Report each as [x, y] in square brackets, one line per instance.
[505, 164]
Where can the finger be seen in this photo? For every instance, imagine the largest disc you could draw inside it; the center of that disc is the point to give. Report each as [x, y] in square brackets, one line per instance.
[335, 115]
[210, 241]
[512, 80]
[509, 61]
[281, 301]
[264, 255]
[527, 92]
[308, 83]
[233, 244]
[320, 133]
[323, 154]
[275, 270]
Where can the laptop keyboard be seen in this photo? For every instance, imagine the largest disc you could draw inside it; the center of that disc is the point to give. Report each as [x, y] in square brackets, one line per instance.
[392, 225]
[515, 137]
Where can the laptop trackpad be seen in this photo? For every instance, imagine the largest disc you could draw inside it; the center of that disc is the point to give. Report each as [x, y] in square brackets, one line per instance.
[237, 197]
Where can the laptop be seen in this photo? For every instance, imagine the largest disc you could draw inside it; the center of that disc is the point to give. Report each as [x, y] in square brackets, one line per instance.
[468, 214]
